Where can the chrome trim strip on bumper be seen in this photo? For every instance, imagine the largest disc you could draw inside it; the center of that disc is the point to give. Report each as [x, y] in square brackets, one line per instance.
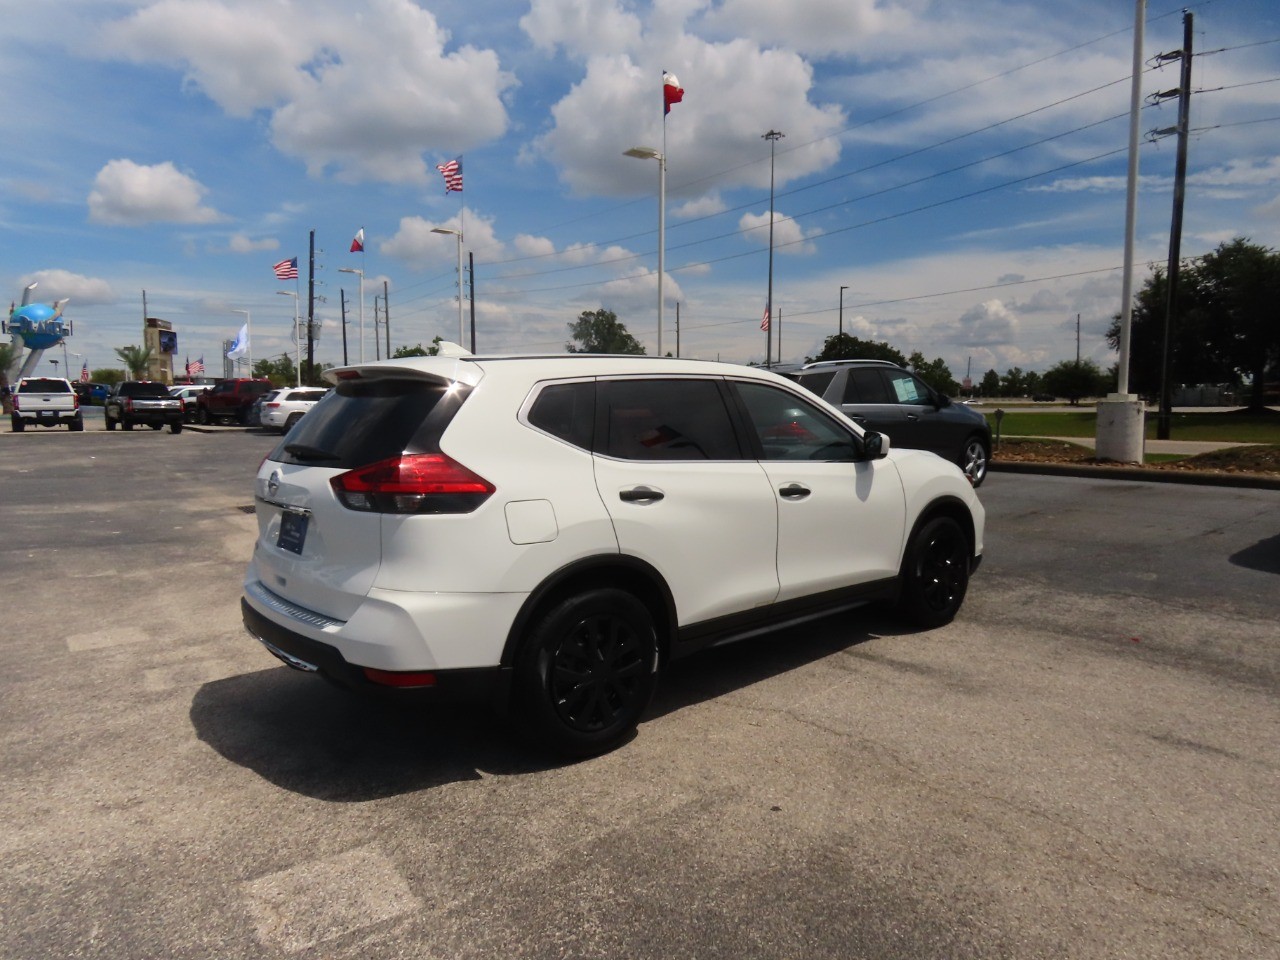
[289, 659]
[280, 605]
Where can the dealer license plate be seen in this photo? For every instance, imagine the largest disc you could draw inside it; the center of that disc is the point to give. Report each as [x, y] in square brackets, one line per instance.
[293, 532]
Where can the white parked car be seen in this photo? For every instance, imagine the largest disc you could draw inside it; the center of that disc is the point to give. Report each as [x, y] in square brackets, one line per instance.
[282, 409]
[550, 532]
[187, 393]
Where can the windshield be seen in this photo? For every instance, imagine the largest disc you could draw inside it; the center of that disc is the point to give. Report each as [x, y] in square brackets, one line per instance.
[144, 390]
[364, 421]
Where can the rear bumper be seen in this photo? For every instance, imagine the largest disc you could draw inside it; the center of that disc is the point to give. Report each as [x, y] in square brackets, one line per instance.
[490, 685]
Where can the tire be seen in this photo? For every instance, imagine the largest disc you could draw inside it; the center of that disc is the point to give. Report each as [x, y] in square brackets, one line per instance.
[974, 459]
[76, 425]
[126, 423]
[156, 426]
[18, 425]
[202, 415]
[107, 421]
[175, 428]
[288, 424]
[935, 573]
[586, 672]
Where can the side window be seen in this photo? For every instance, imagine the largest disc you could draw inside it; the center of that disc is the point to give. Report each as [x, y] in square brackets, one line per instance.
[791, 428]
[567, 411]
[906, 388]
[665, 420]
[816, 382]
[866, 385]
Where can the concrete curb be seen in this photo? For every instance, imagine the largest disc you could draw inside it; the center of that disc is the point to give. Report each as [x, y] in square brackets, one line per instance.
[1251, 481]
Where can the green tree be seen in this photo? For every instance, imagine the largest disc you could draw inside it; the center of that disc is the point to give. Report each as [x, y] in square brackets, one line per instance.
[418, 350]
[1226, 321]
[135, 360]
[1013, 383]
[1074, 379]
[990, 385]
[281, 372]
[841, 346]
[600, 331]
[935, 372]
[108, 375]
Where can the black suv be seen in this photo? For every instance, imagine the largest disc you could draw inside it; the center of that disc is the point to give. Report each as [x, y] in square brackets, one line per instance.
[881, 396]
[146, 402]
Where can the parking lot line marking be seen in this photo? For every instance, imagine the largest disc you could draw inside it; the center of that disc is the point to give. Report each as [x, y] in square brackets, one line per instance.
[313, 902]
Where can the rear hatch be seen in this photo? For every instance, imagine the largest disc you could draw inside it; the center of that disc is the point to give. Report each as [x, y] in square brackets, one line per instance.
[320, 542]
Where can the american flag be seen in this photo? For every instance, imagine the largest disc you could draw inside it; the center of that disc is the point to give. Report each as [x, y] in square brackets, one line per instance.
[287, 269]
[452, 174]
[764, 322]
[84, 372]
[195, 369]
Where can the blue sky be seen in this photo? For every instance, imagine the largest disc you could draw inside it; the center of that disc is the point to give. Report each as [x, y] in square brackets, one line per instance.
[958, 168]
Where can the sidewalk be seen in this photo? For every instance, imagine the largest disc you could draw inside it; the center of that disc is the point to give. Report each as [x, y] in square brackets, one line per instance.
[1188, 448]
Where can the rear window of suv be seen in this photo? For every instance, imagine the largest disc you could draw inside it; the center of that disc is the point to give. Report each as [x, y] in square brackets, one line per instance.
[44, 385]
[365, 421]
[144, 390]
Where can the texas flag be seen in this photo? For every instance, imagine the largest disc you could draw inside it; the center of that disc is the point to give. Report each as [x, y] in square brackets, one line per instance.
[357, 244]
[672, 92]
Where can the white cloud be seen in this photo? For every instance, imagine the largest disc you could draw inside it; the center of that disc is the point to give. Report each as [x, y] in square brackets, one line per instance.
[530, 246]
[788, 235]
[240, 243]
[130, 194]
[580, 29]
[988, 324]
[419, 249]
[734, 92]
[815, 27]
[63, 284]
[364, 87]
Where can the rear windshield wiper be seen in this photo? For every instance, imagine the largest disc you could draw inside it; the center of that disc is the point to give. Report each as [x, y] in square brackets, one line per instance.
[304, 452]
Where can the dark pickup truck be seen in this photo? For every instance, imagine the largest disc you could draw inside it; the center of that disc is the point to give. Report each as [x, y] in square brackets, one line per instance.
[143, 401]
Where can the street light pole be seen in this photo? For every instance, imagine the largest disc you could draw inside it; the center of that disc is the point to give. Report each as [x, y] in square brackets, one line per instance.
[649, 153]
[297, 342]
[773, 136]
[842, 290]
[458, 234]
[360, 274]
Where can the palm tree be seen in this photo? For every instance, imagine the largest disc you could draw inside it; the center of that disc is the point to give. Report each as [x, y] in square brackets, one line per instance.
[10, 354]
[135, 359]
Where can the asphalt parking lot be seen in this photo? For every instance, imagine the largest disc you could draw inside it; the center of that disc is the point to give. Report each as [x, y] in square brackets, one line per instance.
[1083, 765]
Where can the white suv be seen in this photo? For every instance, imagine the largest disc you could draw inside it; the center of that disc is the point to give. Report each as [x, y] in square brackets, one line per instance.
[284, 408]
[549, 532]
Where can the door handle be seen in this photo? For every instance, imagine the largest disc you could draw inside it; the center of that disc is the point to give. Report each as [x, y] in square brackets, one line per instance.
[640, 495]
[794, 491]
[913, 416]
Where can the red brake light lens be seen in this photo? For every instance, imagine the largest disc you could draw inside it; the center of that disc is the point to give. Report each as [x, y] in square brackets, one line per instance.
[412, 483]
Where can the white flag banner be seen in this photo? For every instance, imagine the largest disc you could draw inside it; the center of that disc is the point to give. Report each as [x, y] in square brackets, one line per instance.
[241, 347]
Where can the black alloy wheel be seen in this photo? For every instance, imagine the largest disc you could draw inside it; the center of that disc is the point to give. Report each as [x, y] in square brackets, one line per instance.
[935, 573]
[587, 672]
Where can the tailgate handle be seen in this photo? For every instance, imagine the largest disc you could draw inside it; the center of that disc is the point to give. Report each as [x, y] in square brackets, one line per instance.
[640, 495]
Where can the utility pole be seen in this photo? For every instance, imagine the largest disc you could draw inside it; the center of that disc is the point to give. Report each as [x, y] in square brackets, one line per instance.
[386, 315]
[377, 340]
[342, 294]
[1077, 340]
[677, 329]
[773, 136]
[311, 310]
[1183, 93]
[471, 278]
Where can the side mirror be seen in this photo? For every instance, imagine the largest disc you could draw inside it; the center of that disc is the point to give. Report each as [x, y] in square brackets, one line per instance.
[941, 400]
[874, 445]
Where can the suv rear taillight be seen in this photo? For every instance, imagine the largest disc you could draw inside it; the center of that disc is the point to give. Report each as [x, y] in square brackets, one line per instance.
[412, 483]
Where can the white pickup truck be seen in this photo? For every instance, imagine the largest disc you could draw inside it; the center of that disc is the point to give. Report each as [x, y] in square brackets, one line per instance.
[45, 402]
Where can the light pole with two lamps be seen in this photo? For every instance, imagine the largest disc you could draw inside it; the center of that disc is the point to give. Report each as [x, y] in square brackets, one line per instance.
[458, 234]
[297, 341]
[360, 274]
[649, 153]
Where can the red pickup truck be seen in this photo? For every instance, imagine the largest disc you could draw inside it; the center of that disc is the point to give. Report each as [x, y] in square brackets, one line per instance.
[230, 400]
